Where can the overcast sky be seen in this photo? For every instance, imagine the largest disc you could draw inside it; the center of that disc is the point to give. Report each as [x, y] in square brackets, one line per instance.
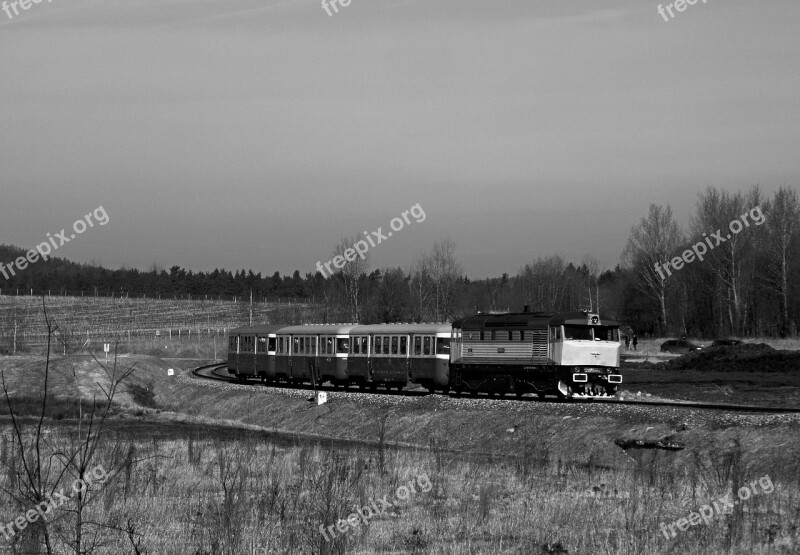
[255, 134]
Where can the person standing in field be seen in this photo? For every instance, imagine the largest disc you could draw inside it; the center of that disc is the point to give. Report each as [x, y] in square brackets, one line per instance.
[635, 341]
[627, 343]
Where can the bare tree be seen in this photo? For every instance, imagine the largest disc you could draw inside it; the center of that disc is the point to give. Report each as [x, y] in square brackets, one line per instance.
[653, 241]
[420, 286]
[542, 283]
[445, 274]
[351, 274]
[783, 231]
[390, 302]
[39, 467]
[592, 266]
[715, 211]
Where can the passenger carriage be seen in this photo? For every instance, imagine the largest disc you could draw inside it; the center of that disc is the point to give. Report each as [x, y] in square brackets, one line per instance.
[394, 355]
[251, 351]
[313, 353]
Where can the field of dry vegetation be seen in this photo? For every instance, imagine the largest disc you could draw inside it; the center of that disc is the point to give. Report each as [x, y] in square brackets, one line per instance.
[201, 469]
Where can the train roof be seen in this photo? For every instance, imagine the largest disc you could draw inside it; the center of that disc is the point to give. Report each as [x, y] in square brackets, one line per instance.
[255, 329]
[401, 328]
[582, 319]
[317, 329]
[530, 319]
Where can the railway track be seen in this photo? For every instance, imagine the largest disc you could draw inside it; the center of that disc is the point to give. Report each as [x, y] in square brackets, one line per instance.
[215, 372]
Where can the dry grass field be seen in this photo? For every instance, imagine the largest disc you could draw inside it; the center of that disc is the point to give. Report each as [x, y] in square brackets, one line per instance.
[140, 325]
[204, 468]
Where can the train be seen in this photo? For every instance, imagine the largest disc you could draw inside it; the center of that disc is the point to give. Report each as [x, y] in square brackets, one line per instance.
[568, 354]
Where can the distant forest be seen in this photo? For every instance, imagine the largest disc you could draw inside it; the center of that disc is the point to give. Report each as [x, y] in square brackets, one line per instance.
[746, 286]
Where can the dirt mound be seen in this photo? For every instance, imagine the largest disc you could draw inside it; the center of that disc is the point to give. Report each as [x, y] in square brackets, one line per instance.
[747, 357]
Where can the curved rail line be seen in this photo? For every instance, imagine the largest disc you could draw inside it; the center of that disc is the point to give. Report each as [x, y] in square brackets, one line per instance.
[209, 372]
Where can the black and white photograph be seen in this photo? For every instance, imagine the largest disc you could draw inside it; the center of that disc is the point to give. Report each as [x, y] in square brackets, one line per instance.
[390, 277]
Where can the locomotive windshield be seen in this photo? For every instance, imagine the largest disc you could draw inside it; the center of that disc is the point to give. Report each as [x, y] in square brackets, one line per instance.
[591, 333]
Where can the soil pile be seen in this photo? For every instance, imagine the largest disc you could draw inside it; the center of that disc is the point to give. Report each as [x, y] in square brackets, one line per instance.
[747, 357]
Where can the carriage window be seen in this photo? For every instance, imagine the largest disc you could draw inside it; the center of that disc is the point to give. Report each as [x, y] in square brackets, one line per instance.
[314, 345]
[386, 344]
[356, 345]
[364, 345]
[342, 345]
[378, 344]
[233, 343]
[442, 346]
[417, 345]
[262, 344]
[394, 344]
[427, 345]
[403, 345]
[295, 345]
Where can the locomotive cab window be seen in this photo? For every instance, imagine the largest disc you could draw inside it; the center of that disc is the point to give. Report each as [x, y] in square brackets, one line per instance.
[606, 333]
[578, 333]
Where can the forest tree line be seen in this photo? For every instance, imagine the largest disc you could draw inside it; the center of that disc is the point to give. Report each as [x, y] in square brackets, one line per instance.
[748, 285]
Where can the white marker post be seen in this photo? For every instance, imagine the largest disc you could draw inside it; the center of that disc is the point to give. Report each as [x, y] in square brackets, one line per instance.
[106, 348]
[170, 372]
[322, 397]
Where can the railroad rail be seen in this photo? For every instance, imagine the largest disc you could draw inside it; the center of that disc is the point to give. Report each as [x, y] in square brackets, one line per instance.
[210, 372]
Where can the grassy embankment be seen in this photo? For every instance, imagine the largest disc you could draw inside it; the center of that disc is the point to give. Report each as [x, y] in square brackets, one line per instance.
[549, 485]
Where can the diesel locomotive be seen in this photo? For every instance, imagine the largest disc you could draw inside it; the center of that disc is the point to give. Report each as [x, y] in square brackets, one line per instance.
[570, 354]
